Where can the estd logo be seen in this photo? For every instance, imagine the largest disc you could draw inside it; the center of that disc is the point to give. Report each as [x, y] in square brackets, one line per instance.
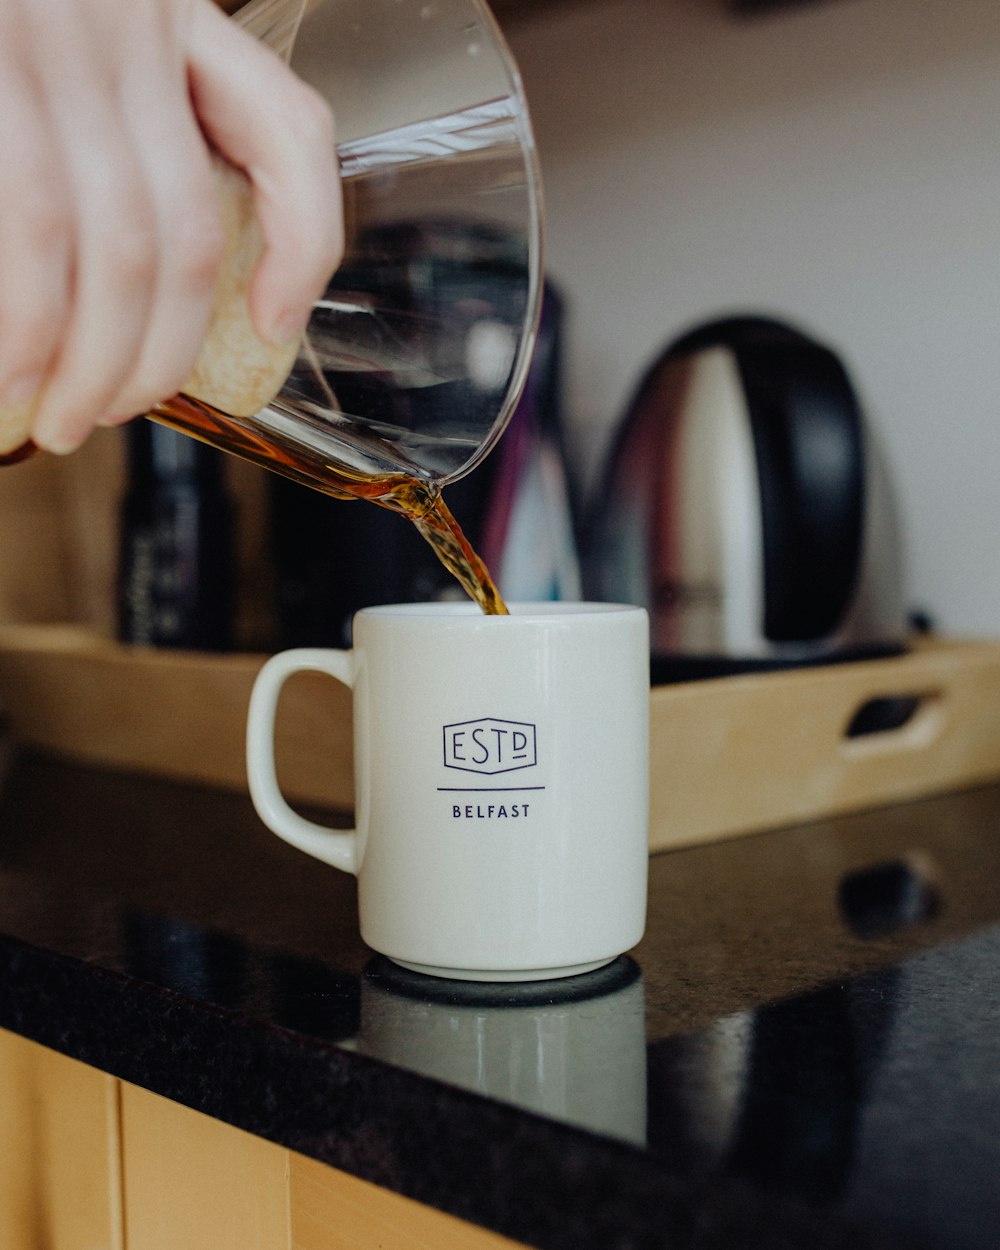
[490, 745]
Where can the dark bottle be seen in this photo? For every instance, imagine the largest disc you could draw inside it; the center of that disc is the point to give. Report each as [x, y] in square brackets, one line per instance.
[175, 575]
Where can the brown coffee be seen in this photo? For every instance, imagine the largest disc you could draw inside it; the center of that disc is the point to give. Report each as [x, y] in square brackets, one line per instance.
[418, 501]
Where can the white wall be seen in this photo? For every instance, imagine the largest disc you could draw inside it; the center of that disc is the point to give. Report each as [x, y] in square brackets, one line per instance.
[836, 164]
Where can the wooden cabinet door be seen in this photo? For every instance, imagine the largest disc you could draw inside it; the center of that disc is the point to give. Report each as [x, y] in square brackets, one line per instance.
[194, 1183]
[60, 1153]
[333, 1211]
[91, 1163]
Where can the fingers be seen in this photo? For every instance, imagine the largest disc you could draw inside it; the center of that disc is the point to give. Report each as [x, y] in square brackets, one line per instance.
[280, 132]
[34, 241]
[114, 264]
[122, 290]
[191, 244]
[111, 237]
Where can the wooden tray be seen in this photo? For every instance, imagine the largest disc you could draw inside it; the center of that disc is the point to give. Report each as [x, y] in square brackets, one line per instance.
[728, 756]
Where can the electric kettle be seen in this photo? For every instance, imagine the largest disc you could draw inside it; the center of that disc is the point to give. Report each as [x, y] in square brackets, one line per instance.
[747, 506]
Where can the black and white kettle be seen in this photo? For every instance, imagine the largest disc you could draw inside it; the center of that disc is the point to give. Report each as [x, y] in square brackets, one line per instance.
[747, 507]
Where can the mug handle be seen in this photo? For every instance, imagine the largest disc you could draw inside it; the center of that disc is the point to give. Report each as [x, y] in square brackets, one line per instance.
[338, 847]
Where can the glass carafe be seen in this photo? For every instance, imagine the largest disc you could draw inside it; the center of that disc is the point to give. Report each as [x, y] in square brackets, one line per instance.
[415, 355]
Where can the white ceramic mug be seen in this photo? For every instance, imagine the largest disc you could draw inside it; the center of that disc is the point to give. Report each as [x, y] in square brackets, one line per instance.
[501, 784]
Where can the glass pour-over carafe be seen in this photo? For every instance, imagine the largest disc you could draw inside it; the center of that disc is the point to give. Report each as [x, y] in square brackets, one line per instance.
[415, 355]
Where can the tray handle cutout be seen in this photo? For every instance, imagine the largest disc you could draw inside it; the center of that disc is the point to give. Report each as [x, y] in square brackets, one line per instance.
[891, 721]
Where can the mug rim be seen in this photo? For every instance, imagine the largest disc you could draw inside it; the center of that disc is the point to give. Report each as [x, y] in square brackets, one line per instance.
[457, 609]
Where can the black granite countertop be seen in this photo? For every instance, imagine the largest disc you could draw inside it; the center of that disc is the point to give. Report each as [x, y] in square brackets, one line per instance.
[803, 1051]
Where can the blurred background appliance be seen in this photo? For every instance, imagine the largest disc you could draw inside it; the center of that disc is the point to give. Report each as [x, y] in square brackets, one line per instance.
[747, 506]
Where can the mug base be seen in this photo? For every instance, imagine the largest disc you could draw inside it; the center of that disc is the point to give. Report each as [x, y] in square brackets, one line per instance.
[503, 974]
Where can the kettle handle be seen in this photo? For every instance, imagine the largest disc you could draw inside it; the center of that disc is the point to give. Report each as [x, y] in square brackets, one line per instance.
[809, 442]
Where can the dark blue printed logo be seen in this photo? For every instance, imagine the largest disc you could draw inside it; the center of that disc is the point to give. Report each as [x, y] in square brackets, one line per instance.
[490, 745]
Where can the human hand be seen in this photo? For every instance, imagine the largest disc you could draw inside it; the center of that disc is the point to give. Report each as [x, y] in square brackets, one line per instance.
[111, 239]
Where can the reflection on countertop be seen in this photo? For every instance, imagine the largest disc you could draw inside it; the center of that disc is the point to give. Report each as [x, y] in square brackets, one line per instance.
[574, 1050]
[804, 1049]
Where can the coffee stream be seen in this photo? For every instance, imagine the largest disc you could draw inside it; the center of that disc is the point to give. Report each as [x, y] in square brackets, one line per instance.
[418, 501]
